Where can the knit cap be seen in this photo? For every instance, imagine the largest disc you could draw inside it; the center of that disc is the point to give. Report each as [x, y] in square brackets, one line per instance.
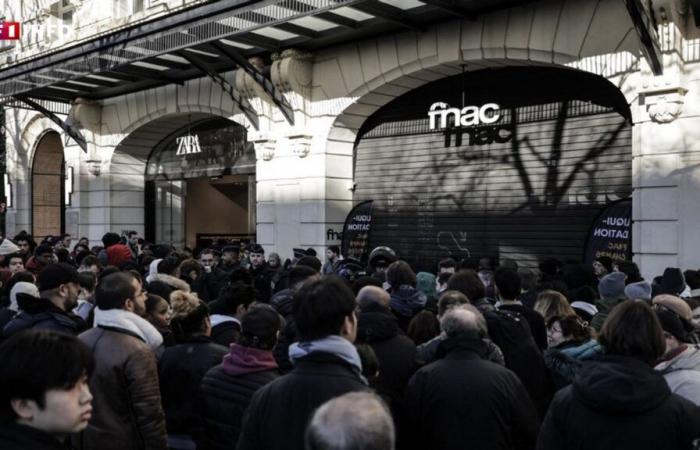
[8, 247]
[612, 285]
[638, 290]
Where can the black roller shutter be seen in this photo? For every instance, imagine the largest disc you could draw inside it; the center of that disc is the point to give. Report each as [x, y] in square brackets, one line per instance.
[529, 198]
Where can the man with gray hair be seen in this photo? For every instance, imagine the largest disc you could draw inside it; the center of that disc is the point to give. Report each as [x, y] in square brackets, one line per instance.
[495, 410]
[358, 420]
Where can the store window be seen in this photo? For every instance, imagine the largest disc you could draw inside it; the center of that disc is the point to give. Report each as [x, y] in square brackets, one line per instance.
[61, 24]
[125, 8]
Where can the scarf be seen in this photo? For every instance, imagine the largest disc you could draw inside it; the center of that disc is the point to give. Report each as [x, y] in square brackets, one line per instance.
[335, 345]
[126, 320]
[242, 360]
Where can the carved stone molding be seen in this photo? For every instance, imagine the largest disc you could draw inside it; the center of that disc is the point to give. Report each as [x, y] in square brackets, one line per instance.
[665, 106]
[300, 145]
[264, 146]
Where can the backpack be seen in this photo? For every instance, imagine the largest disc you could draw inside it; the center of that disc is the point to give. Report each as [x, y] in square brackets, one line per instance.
[511, 332]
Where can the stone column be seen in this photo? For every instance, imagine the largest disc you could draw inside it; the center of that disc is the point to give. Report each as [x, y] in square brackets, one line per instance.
[666, 154]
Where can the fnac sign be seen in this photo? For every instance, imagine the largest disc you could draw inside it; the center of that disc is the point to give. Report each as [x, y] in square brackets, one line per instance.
[468, 116]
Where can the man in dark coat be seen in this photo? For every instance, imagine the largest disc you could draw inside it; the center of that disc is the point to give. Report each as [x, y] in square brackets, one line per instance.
[326, 365]
[379, 328]
[283, 302]
[462, 401]
[262, 274]
[212, 278]
[226, 389]
[226, 313]
[511, 333]
[508, 289]
[58, 287]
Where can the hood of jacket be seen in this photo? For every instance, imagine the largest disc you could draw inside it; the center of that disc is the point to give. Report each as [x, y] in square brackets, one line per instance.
[241, 360]
[376, 323]
[171, 281]
[688, 359]
[620, 385]
[407, 300]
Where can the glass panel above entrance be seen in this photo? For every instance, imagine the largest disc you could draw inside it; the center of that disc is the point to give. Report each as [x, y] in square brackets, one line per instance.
[210, 148]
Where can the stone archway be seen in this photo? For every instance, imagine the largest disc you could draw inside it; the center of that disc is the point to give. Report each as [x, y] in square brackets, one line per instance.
[47, 187]
[363, 77]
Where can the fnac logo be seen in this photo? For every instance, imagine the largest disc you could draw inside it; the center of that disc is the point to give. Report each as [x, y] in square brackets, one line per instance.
[9, 31]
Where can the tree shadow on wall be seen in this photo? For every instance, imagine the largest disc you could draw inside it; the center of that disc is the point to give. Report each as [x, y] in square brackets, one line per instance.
[560, 172]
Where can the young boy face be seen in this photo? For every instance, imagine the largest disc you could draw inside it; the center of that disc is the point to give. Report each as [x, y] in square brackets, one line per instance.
[65, 411]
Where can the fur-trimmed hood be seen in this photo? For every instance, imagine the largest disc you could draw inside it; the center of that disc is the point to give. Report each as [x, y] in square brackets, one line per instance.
[170, 280]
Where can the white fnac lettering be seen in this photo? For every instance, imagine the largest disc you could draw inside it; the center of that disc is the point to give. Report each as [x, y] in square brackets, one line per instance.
[468, 116]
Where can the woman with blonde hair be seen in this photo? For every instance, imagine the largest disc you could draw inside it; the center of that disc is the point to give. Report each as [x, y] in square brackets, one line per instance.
[552, 304]
[182, 366]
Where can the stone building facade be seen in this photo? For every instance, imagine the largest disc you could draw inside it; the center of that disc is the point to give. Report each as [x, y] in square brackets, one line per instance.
[304, 173]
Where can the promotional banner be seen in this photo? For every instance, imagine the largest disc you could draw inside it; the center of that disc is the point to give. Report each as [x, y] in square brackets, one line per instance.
[611, 233]
[356, 232]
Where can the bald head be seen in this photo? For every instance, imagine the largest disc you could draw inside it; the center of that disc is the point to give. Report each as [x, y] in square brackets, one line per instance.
[463, 319]
[369, 295]
[357, 420]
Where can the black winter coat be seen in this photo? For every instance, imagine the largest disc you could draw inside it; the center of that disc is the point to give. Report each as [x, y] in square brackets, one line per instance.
[396, 353]
[283, 302]
[21, 437]
[210, 284]
[44, 315]
[262, 280]
[521, 355]
[279, 412]
[534, 319]
[224, 397]
[464, 402]
[619, 403]
[180, 371]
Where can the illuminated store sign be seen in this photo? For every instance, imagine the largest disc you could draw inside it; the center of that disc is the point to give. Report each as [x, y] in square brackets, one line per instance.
[187, 145]
[466, 117]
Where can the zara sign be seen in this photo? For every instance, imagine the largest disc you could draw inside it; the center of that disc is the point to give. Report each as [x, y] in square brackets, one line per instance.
[465, 117]
[187, 145]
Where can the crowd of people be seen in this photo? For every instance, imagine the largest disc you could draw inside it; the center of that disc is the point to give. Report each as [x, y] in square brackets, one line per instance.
[131, 345]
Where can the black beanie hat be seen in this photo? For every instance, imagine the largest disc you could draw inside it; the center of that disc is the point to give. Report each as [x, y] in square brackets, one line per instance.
[310, 261]
[54, 275]
[672, 281]
[671, 323]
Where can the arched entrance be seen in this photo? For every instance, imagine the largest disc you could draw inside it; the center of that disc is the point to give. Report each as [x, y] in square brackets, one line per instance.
[200, 185]
[518, 167]
[48, 171]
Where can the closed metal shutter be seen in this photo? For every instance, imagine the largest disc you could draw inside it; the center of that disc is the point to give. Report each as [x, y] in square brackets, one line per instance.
[529, 198]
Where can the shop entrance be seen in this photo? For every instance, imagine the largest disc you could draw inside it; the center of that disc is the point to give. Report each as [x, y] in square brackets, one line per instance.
[201, 185]
[478, 165]
[48, 170]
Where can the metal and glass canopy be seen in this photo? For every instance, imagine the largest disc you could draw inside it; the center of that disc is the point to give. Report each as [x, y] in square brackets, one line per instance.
[214, 37]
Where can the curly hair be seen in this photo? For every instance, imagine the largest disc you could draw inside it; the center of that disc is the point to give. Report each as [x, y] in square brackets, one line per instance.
[188, 314]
